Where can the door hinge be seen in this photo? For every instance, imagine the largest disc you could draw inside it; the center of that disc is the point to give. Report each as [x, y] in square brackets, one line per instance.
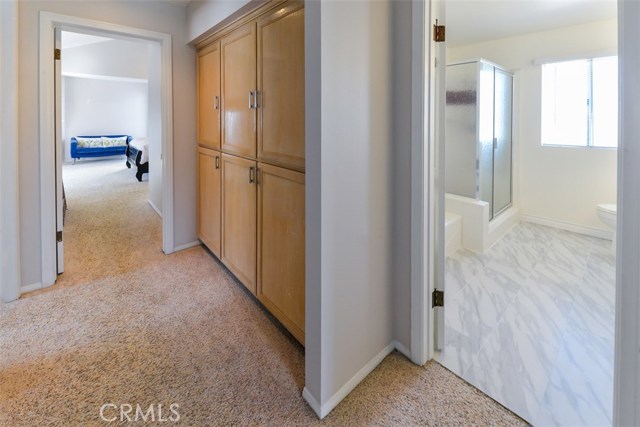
[57, 54]
[437, 299]
[438, 32]
[59, 236]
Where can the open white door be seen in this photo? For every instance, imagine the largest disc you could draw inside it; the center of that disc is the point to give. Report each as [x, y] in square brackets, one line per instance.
[440, 92]
[58, 150]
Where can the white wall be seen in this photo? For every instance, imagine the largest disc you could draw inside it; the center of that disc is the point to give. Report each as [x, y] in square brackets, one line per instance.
[115, 58]
[561, 184]
[154, 128]
[156, 16]
[204, 16]
[9, 214]
[354, 154]
[103, 107]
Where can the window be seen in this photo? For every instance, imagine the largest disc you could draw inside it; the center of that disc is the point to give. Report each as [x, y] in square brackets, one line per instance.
[580, 103]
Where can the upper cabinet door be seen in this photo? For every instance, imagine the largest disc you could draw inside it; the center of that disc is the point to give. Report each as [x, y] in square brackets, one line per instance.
[239, 98]
[281, 86]
[209, 97]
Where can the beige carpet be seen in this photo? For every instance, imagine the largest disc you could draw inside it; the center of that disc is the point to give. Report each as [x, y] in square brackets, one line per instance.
[126, 324]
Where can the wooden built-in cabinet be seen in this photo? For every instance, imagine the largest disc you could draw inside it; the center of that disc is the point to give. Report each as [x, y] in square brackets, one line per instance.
[208, 95]
[281, 245]
[251, 181]
[239, 218]
[281, 87]
[239, 96]
[209, 198]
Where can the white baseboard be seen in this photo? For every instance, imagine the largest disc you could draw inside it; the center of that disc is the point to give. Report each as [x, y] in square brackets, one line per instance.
[312, 401]
[323, 410]
[402, 349]
[29, 288]
[155, 208]
[563, 225]
[187, 246]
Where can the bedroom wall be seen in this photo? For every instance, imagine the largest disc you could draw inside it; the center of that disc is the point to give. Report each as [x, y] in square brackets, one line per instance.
[115, 58]
[156, 16]
[96, 106]
[99, 94]
[560, 184]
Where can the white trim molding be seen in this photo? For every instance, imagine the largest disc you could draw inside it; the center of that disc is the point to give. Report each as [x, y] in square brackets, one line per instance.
[187, 246]
[626, 394]
[323, 410]
[155, 208]
[9, 199]
[419, 185]
[48, 22]
[568, 226]
[30, 288]
[104, 77]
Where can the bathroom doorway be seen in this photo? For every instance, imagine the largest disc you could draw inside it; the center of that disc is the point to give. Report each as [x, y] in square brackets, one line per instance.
[530, 283]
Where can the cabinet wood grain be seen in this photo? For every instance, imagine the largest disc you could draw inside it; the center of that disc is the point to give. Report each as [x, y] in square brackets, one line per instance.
[209, 197]
[281, 86]
[239, 210]
[209, 96]
[281, 245]
[238, 84]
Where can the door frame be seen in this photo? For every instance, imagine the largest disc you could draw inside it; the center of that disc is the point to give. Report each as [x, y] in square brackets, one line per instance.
[48, 22]
[626, 391]
[626, 410]
[424, 175]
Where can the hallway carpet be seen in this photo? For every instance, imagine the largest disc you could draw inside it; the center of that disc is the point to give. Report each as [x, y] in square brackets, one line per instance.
[127, 325]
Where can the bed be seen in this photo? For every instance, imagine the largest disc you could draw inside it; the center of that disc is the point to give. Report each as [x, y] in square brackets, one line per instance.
[138, 155]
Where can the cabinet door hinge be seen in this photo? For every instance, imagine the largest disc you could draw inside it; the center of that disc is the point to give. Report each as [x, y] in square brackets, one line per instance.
[59, 236]
[57, 54]
[438, 32]
[437, 299]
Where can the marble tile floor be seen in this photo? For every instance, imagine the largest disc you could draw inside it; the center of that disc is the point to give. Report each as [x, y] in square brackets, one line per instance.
[531, 323]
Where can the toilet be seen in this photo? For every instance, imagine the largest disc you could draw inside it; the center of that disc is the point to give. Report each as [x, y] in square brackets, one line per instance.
[607, 214]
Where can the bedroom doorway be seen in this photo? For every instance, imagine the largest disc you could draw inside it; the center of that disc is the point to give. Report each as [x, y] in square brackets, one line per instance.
[56, 149]
[109, 127]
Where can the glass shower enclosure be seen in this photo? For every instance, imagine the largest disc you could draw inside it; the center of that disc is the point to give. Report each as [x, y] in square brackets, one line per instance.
[478, 146]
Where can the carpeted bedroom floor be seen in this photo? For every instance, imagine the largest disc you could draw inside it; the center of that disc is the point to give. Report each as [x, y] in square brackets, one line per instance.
[126, 324]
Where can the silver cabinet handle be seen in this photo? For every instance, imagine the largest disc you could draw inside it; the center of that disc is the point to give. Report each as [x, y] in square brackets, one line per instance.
[216, 102]
[251, 175]
[217, 162]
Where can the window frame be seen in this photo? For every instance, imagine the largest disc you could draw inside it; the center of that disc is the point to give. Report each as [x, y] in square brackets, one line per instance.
[589, 143]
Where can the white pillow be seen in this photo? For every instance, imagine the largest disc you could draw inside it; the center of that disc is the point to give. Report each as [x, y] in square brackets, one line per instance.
[89, 142]
[114, 141]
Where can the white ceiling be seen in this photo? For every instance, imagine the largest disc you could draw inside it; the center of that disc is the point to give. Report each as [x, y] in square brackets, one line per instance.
[70, 39]
[472, 21]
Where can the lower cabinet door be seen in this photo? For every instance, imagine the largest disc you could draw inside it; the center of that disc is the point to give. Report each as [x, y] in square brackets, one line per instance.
[281, 246]
[239, 218]
[209, 189]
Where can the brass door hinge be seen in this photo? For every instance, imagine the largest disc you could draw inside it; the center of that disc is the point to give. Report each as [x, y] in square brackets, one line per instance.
[57, 54]
[59, 236]
[438, 32]
[437, 299]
